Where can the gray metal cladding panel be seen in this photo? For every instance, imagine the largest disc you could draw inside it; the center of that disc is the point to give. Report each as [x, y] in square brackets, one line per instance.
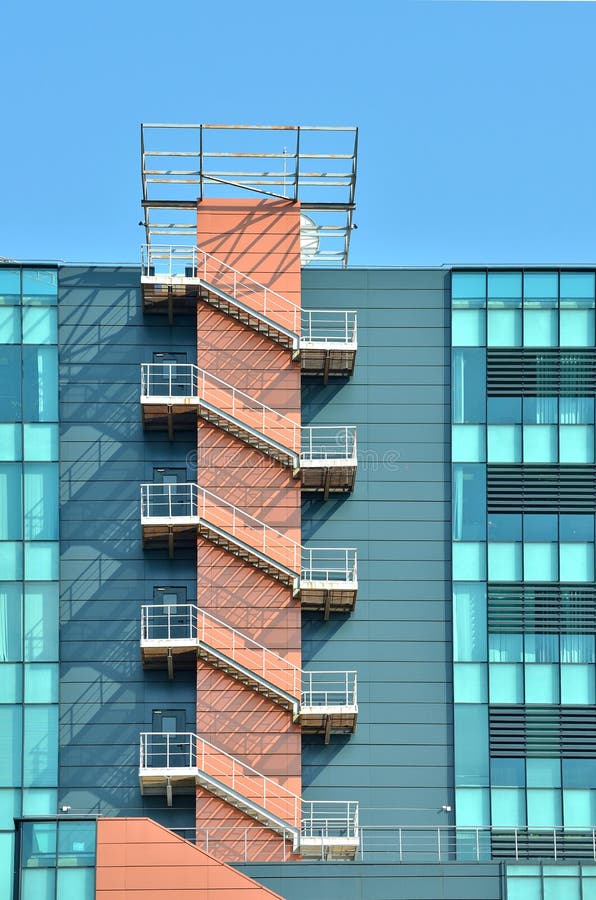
[399, 762]
[106, 699]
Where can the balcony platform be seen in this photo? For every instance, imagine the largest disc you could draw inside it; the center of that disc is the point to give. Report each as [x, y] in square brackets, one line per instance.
[328, 476]
[328, 596]
[328, 720]
[322, 360]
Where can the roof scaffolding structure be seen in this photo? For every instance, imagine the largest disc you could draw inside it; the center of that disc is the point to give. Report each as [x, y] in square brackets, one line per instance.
[183, 164]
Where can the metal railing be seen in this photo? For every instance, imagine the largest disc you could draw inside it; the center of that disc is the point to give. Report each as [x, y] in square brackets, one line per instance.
[328, 442]
[329, 819]
[189, 501]
[180, 623]
[329, 326]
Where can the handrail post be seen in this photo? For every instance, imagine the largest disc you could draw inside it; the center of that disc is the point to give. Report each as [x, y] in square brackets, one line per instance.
[555, 843]
[477, 845]
[167, 751]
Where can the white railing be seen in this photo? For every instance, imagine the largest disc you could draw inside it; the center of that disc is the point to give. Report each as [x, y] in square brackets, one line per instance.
[189, 501]
[170, 380]
[179, 623]
[328, 442]
[329, 326]
[329, 819]
[192, 262]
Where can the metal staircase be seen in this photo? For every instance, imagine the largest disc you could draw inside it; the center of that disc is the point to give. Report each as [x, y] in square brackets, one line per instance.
[176, 763]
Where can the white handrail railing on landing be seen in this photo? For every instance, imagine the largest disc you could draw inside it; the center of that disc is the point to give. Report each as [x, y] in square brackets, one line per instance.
[168, 623]
[188, 501]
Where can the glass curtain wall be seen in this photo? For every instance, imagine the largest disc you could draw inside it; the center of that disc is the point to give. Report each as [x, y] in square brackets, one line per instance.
[28, 551]
[515, 311]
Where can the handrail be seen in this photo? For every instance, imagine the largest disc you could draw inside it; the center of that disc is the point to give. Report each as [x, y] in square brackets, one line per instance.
[189, 501]
[318, 688]
[329, 326]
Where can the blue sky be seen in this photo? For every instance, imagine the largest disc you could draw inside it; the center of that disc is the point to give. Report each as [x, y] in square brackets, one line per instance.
[477, 123]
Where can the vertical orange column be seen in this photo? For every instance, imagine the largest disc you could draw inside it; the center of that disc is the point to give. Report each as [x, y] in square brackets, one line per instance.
[261, 239]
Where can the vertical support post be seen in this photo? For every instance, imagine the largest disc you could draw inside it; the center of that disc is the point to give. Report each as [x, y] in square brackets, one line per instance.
[401, 847]
[477, 845]
[439, 843]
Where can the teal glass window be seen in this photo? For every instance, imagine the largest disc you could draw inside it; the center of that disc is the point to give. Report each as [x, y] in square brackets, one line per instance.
[76, 884]
[504, 328]
[469, 386]
[544, 808]
[576, 443]
[506, 772]
[40, 325]
[468, 443]
[469, 502]
[41, 442]
[10, 287]
[41, 621]
[504, 444]
[468, 288]
[6, 864]
[576, 562]
[40, 384]
[540, 562]
[577, 684]
[505, 527]
[42, 560]
[469, 625]
[40, 286]
[543, 773]
[541, 527]
[576, 527]
[577, 289]
[541, 288]
[38, 884]
[469, 561]
[471, 745]
[562, 888]
[11, 683]
[504, 562]
[541, 328]
[541, 648]
[577, 648]
[508, 807]
[470, 683]
[41, 501]
[38, 844]
[524, 888]
[11, 528]
[541, 683]
[40, 749]
[541, 410]
[10, 387]
[11, 560]
[10, 442]
[504, 289]
[41, 683]
[505, 647]
[11, 622]
[504, 410]
[40, 801]
[10, 325]
[576, 410]
[506, 683]
[540, 444]
[10, 808]
[472, 807]
[76, 843]
[10, 745]
[577, 328]
[579, 773]
[468, 328]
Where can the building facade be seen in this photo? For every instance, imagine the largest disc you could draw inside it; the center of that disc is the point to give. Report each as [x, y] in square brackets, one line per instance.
[297, 576]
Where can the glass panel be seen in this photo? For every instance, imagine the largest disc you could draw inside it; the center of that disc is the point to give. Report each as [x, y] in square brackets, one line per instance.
[38, 884]
[505, 527]
[577, 562]
[10, 287]
[469, 561]
[42, 560]
[11, 683]
[504, 410]
[577, 328]
[540, 443]
[10, 325]
[541, 410]
[576, 410]
[11, 560]
[508, 807]
[504, 288]
[10, 808]
[577, 288]
[41, 622]
[10, 746]
[40, 325]
[540, 562]
[524, 888]
[542, 683]
[40, 751]
[576, 528]
[10, 442]
[540, 328]
[40, 286]
[544, 808]
[40, 384]
[10, 387]
[541, 527]
[508, 772]
[504, 562]
[471, 755]
[541, 288]
[561, 888]
[76, 843]
[505, 647]
[541, 648]
[576, 443]
[468, 443]
[579, 809]
[469, 502]
[468, 288]
[38, 844]
[41, 442]
[541, 773]
[11, 512]
[469, 625]
[472, 806]
[468, 328]
[470, 683]
[579, 773]
[506, 683]
[469, 386]
[41, 501]
[11, 618]
[504, 328]
[7, 860]
[577, 648]
[41, 683]
[76, 884]
[40, 801]
[504, 444]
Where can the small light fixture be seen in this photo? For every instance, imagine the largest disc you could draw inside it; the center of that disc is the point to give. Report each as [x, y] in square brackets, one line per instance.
[446, 808]
[65, 809]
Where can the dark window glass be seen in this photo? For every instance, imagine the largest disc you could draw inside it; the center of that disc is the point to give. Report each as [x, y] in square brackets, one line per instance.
[505, 527]
[10, 383]
[576, 410]
[540, 528]
[541, 410]
[504, 410]
[40, 384]
[576, 528]
[38, 844]
[579, 773]
[469, 385]
[469, 502]
[76, 843]
[508, 772]
[541, 648]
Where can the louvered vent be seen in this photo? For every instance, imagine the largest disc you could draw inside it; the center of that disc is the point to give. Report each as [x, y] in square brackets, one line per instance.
[547, 373]
[568, 731]
[546, 843]
[541, 488]
[542, 608]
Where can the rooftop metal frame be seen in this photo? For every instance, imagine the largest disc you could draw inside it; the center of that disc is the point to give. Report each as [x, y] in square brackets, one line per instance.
[183, 164]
